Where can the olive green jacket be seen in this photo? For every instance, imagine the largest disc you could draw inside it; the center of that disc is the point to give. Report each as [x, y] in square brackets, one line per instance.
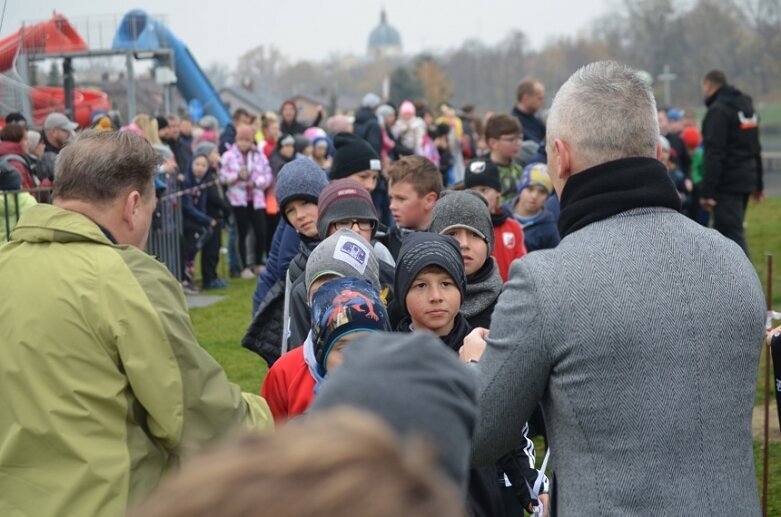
[103, 383]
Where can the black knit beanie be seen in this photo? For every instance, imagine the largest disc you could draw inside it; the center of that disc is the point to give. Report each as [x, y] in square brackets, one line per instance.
[422, 249]
[353, 154]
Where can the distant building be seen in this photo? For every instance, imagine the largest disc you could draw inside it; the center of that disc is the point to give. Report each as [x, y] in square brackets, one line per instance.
[384, 40]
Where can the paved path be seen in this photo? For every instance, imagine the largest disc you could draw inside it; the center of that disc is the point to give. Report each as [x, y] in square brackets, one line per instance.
[201, 300]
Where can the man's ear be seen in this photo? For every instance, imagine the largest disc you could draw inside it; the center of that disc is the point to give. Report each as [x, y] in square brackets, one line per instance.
[564, 170]
[658, 150]
[131, 206]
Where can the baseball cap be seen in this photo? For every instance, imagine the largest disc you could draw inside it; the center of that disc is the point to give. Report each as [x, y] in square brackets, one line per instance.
[59, 121]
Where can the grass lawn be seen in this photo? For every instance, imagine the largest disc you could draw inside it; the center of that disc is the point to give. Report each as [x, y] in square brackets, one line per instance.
[221, 326]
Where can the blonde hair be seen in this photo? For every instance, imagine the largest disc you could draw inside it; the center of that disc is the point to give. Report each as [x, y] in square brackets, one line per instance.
[148, 126]
[342, 462]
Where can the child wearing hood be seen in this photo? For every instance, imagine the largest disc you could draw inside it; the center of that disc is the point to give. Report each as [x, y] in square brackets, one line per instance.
[530, 208]
[198, 225]
[343, 263]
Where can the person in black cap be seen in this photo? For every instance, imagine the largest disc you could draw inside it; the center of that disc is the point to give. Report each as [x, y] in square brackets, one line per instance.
[483, 176]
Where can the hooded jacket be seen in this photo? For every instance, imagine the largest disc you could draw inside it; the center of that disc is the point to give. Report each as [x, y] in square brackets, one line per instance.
[22, 163]
[730, 134]
[540, 233]
[367, 127]
[104, 382]
[259, 177]
[509, 241]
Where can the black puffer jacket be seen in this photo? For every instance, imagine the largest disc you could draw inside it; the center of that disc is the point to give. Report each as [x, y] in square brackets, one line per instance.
[732, 159]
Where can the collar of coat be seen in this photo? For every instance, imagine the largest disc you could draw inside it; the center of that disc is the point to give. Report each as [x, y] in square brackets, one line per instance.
[614, 187]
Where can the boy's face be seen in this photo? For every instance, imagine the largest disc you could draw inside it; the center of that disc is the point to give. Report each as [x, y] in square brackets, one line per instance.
[474, 250]
[433, 301]
[493, 196]
[532, 199]
[409, 209]
[367, 178]
[302, 215]
[334, 357]
[506, 147]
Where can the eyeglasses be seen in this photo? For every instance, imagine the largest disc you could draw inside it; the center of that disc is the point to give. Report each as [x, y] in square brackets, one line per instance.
[349, 224]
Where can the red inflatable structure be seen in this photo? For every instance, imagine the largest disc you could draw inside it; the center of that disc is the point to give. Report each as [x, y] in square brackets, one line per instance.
[52, 37]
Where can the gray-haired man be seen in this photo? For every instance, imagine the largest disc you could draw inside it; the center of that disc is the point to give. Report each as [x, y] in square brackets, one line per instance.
[640, 333]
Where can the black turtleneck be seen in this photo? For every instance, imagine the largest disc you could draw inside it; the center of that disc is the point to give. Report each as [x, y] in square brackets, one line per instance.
[614, 187]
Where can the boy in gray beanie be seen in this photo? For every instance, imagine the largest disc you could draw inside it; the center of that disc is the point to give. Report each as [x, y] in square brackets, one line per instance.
[344, 254]
[464, 216]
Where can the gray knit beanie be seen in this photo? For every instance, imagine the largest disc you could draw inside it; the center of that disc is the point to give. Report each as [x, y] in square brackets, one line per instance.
[463, 209]
[299, 179]
[344, 254]
[414, 384]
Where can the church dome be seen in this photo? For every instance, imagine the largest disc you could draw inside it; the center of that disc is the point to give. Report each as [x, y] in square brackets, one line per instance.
[384, 37]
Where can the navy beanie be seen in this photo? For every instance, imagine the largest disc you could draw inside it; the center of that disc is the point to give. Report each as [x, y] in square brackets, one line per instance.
[422, 249]
[299, 179]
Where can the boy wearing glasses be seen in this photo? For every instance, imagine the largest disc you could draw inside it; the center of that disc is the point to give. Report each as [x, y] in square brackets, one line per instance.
[504, 136]
[343, 205]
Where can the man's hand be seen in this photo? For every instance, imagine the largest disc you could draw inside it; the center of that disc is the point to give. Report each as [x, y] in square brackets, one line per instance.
[474, 345]
[707, 203]
[757, 196]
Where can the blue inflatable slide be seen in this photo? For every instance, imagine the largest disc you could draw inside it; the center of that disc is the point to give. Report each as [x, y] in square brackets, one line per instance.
[139, 31]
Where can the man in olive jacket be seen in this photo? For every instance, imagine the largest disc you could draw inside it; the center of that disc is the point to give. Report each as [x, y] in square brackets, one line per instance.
[639, 333]
[103, 383]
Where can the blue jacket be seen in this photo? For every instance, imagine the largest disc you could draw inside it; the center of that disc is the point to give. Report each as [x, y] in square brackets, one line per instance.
[539, 234]
[284, 246]
[194, 204]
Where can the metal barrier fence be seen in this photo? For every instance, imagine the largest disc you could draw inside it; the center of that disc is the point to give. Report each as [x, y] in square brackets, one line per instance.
[165, 235]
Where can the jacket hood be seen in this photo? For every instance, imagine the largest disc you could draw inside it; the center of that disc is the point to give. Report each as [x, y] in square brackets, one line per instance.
[364, 115]
[734, 98]
[11, 148]
[546, 217]
[48, 223]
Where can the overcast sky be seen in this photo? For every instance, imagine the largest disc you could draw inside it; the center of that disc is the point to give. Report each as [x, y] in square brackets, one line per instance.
[221, 30]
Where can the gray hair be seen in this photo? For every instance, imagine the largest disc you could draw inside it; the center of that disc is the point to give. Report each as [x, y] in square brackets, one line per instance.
[98, 167]
[605, 111]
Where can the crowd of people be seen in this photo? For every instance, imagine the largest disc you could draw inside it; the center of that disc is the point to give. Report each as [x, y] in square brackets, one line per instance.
[385, 247]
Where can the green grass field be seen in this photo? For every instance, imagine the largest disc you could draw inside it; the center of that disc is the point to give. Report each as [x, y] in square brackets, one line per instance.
[221, 326]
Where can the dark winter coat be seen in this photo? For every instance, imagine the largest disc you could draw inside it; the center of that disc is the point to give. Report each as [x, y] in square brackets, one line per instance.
[730, 134]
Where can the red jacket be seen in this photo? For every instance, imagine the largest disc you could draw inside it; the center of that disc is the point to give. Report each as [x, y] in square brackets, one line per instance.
[289, 387]
[508, 242]
[16, 148]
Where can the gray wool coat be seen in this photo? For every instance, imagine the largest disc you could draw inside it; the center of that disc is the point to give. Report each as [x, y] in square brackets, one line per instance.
[640, 334]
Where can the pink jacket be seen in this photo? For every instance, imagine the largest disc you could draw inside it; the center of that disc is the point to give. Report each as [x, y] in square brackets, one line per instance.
[257, 182]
